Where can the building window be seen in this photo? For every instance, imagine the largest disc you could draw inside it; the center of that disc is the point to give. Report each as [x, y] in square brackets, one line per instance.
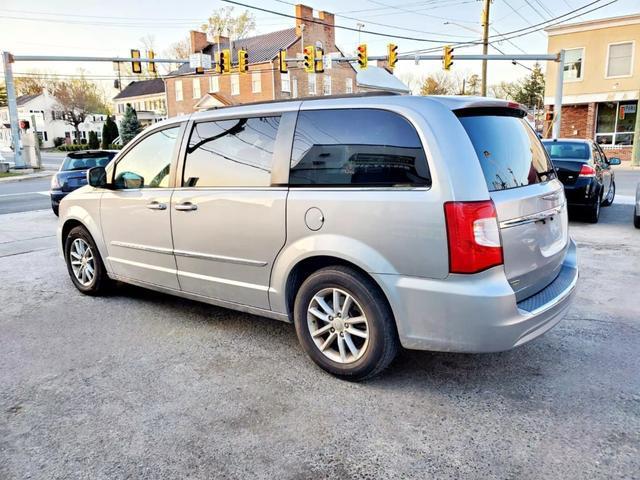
[348, 85]
[294, 88]
[312, 83]
[285, 80]
[196, 88]
[214, 84]
[256, 82]
[326, 85]
[573, 64]
[178, 90]
[235, 84]
[619, 59]
[615, 122]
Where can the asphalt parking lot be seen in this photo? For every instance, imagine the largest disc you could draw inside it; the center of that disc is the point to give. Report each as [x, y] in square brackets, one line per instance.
[142, 385]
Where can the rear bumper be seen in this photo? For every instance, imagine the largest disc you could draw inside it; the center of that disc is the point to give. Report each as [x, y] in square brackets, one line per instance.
[581, 194]
[476, 313]
[57, 196]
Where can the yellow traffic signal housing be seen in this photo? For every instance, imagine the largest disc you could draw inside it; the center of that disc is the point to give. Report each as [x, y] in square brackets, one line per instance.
[319, 67]
[282, 60]
[392, 53]
[243, 61]
[224, 61]
[151, 66]
[363, 58]
[447, 57]
[310, 59]
[136, 67]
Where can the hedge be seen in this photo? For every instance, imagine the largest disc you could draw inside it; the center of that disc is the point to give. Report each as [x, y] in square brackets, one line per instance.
[78, 148]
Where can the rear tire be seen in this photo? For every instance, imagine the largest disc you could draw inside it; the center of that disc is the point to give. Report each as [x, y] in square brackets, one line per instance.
[84, 263]
[636, 217]
[593, 213]
[352, 351]
[610, 196]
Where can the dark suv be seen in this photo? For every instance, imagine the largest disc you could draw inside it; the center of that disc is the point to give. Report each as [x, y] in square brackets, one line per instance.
[586, 173]
[73, 173]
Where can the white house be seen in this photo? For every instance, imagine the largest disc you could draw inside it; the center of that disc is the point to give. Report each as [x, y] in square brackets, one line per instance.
[48, 118]
[147, 97]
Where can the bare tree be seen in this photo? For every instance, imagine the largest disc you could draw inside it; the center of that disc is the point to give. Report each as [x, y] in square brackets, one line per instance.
[179, 50]
[223, 21]
[76, 99]
[33, 83]
[438, 83]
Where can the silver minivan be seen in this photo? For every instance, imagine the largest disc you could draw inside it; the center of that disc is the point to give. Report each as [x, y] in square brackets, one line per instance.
[371, 222]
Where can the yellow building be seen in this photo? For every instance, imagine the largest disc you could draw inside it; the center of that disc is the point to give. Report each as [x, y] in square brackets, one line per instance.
[601, 80]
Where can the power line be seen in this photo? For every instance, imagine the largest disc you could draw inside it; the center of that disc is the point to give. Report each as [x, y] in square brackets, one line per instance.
[342, 27]
[535, 9]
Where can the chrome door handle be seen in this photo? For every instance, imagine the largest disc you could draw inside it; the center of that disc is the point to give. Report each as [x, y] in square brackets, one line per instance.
[186, 207]
[156, 206]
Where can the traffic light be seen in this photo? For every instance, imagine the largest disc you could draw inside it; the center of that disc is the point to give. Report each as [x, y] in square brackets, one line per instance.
[363, 59]
[243, 61]
[282, 60]
[447, 57]
[392, 55]
[224, 61]
[136, 67]
[151, 66]
[309, 59]
[319, 67]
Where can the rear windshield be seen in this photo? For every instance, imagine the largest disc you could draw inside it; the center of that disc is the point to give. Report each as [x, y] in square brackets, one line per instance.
[86, 161]
[567, 150]
[509, 151]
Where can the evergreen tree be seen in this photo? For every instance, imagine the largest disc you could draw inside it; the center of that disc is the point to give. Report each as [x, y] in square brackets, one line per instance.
[93, 140]
[129, 127]
[3, 96]
[531, 89]
[109, 132]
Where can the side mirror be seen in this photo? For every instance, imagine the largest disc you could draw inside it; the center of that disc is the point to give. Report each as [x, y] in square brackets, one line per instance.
[128, 181]
[614, 161]
[97, 177]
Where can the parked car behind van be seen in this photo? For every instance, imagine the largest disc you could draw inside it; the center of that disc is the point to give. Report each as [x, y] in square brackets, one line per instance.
[371, 222]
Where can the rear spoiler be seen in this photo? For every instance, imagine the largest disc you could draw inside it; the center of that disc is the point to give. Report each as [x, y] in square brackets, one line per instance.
[506, 109]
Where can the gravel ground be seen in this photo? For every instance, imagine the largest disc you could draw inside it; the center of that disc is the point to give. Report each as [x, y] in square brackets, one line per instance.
[143, 385]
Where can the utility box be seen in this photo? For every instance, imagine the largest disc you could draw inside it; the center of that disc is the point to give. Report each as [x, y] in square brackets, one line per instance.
[31, 150]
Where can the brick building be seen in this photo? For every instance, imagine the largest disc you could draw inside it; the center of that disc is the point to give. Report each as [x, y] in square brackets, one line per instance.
[187, 92]
[601, 81]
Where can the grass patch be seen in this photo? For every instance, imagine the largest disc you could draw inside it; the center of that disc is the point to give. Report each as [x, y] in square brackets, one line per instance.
[8, 174]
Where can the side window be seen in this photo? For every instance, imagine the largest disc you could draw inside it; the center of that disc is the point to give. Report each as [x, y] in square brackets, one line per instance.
[231, 153]
[147, 164]
[357, 147]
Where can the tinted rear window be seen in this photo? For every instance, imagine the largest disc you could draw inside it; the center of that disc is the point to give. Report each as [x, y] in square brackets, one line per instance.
[510, 153]
[86, 161]
[357, 147]
[567, 150]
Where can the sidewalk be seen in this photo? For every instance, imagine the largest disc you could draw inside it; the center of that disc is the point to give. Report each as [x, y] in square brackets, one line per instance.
[29, 173]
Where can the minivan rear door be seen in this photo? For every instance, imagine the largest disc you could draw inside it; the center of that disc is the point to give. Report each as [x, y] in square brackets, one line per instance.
[528, 197]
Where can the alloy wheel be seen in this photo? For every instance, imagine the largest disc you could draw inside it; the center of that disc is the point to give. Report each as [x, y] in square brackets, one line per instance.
[338, 325]
[82, 262]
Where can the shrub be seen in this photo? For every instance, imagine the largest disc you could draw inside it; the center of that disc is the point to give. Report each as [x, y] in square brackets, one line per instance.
[113, 146]
[94, 143]
[58, 141]
[109, 132]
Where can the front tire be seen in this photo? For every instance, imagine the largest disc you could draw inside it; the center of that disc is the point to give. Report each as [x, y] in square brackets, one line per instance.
[345, 324]
[636, 217]
[84, 264]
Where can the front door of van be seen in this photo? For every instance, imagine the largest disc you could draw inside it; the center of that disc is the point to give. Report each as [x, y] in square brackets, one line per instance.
[135, 215]
[228, 222]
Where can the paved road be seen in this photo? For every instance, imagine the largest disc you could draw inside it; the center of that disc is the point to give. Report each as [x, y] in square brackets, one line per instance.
[50, 160]
[142, 385]
[25, 196]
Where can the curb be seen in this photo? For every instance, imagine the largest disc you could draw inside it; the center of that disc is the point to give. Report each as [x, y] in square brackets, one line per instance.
[20, 178]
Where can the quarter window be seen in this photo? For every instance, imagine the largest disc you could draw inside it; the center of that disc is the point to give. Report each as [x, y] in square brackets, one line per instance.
[147, 164]
[231, 153]
[573, 60]
[619, 59]
[357, 147]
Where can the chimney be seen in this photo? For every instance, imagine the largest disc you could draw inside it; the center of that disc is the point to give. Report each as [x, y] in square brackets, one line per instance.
[198, 41]
[320, 28]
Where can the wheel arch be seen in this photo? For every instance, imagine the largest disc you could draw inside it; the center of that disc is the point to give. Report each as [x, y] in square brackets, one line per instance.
[71, 221]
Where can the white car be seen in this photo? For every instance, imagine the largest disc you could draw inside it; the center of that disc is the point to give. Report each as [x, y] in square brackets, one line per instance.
[636, 210]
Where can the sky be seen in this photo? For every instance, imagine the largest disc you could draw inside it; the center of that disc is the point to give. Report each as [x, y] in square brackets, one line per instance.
[112, 28]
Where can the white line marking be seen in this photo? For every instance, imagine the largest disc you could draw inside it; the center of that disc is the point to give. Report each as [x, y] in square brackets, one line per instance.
[625, 199]
[23, 193]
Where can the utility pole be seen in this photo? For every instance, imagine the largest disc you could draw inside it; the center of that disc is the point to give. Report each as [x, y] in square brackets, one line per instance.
[485, 45]
[7, 60]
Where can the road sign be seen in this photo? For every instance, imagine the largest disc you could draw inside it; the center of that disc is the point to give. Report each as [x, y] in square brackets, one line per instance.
[200, 60]
[326, 62]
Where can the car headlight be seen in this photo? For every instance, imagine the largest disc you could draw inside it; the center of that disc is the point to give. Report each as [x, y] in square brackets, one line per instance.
[55, 183]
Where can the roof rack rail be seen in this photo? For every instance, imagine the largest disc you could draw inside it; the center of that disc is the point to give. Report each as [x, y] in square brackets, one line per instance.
[381, 93]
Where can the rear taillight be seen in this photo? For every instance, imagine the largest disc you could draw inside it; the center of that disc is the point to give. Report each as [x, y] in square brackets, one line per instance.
[587, 171]
[55, 182]
[473, 235]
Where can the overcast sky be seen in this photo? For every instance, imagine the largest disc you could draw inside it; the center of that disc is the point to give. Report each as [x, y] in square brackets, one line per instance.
[111, 28]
